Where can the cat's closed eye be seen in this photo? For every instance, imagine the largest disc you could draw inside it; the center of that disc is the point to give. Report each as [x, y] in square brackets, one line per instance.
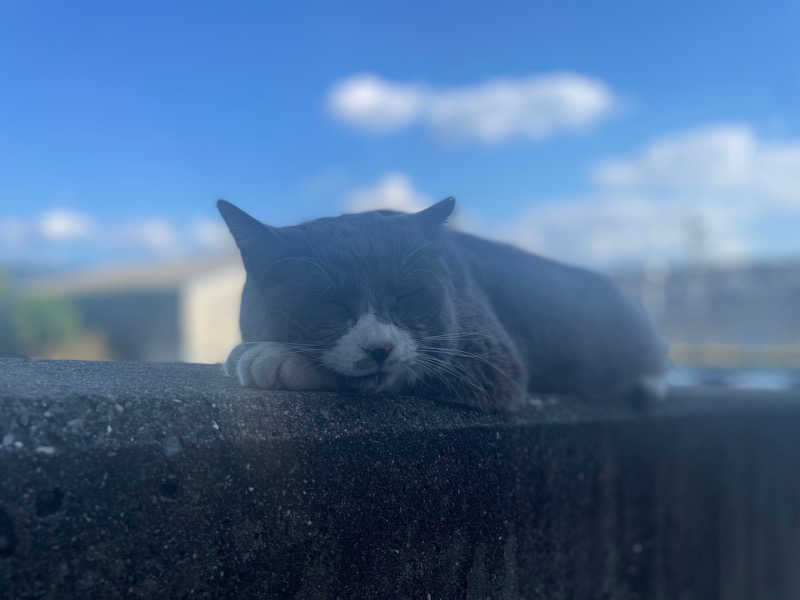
[409, 294]
[413, 300]
[341, 311]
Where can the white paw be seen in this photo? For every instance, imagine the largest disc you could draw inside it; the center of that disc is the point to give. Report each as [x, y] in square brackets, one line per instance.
[273, 366]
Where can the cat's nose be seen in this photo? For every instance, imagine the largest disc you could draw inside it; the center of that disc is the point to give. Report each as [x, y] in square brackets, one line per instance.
[380, 352]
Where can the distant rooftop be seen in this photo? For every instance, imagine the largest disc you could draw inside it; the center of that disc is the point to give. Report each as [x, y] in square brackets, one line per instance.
[130, 277]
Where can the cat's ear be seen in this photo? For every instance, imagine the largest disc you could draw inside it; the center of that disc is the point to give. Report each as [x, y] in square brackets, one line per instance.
[255, 240]
[432, 218]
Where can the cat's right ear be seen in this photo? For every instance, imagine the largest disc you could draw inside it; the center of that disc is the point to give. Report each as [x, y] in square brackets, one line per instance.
[432, 218]
[255, 240]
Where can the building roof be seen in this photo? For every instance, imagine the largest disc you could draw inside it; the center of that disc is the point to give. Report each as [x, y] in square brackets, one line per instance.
[131, 277]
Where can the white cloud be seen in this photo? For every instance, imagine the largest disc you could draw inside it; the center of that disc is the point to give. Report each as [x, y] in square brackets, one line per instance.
[210, 234]
[608, 230]
[489, 112]
[64, 224]
[711, 161]
[393, 191]
[67, 234]
[155, 234]
[714, 192]
[596, 229]
[717, 192]
[371, 103]
[534, 108]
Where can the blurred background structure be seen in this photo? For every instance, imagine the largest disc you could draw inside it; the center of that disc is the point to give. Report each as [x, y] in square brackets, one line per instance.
[173, 311]
[731, 316]
[660, 144]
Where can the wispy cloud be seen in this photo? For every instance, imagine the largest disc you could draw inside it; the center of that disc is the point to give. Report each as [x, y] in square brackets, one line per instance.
[724, 160]
[489, 112]
[210, 233]
[369, 102]
[62, 224]
[715, 192]
[393, 191]
[601, 229]
[619, 229]
[64, 235]
[155, 233]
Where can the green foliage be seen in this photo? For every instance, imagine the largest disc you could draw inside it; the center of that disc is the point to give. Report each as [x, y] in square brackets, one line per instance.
[30, 323]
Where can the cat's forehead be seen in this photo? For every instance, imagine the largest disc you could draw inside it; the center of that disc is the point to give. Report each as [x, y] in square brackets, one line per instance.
[386, 221]
[374, 235]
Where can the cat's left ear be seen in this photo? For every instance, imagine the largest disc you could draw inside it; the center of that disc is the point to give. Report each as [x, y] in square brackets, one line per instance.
[433, 217]
[257, 242]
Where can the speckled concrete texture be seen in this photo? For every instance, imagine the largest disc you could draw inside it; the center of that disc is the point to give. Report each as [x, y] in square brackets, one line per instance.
[124, 480]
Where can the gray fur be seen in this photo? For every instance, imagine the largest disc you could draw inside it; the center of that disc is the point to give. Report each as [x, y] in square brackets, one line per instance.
[475, 321]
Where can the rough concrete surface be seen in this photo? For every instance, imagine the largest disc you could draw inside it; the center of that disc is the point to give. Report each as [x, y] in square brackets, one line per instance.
[123, 480]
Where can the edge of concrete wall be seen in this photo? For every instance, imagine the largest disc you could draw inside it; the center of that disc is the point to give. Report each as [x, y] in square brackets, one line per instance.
[167, 480]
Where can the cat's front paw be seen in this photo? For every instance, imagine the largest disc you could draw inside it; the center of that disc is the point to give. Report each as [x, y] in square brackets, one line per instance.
[274, 366]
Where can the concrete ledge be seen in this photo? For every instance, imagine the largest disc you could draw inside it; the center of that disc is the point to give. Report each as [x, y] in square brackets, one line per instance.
[126, 480]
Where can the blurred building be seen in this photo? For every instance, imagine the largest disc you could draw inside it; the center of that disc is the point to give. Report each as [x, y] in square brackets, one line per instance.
[724, 315]
[712, 315]
[187, 310]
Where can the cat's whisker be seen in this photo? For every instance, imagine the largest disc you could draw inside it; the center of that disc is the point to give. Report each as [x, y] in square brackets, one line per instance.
[306, 346]
[464, 354]
[456, 336]
[433, 373]
[457, 372]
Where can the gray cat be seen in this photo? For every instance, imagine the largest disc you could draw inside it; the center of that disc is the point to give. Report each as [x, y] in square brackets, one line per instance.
[383, 301]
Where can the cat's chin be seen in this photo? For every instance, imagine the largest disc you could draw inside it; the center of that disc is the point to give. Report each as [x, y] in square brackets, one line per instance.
[380, 382]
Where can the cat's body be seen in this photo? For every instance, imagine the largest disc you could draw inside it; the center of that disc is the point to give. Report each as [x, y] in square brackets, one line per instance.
[390, 302]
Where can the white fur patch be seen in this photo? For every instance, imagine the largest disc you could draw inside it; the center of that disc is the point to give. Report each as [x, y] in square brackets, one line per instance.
[349, 355]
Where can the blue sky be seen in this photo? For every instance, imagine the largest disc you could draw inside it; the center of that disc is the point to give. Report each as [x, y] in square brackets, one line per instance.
[586, 130]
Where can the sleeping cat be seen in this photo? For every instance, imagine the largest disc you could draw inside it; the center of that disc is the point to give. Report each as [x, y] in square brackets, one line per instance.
[383, 301]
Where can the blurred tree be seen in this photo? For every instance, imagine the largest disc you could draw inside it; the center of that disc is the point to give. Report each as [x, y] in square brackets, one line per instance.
[7, 342]
[30, 323]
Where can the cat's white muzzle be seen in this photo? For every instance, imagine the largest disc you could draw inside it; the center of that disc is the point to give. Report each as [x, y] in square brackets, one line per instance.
[372, 347]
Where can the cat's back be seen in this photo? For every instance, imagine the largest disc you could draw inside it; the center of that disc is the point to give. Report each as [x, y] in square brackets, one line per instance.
[574, 327]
